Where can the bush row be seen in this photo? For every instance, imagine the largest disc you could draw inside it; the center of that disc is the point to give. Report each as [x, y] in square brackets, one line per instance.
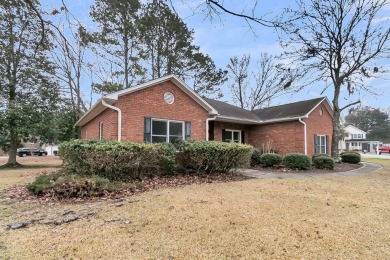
[126, 160]
[212, 156]
[301, 161]
[117, 160]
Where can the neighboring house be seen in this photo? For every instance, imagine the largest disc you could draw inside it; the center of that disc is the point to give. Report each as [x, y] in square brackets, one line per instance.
[51, 149]
[167, 110]
[356, 139]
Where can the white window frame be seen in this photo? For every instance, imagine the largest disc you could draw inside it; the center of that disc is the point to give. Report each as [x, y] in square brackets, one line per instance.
[168, 123]
[322, 145]
[234, 131]
[101, 129]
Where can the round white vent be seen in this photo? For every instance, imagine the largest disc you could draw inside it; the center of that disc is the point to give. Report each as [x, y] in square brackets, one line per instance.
[169, 97]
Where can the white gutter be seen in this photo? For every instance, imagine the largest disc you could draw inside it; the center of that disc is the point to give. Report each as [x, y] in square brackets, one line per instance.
[304, 132]
[119, 118]
[207, 126]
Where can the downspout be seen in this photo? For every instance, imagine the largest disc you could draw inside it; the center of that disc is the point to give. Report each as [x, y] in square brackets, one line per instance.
[304, 133]
[119, 118]
[207, 126]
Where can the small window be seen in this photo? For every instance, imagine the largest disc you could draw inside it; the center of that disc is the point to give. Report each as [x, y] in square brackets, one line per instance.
[321, 144]
[100, 131]
[233, 136]
[321, 112]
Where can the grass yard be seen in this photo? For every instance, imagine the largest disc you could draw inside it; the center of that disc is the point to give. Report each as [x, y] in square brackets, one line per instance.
[342, 218]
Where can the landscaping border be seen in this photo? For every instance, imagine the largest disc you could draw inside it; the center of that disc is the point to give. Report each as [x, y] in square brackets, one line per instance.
[366, 169]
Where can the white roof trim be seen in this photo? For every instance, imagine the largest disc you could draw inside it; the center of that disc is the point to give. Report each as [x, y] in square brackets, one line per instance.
[328, 107]
[178, 82]
[111, 98]
[236, 120]
[360, 130]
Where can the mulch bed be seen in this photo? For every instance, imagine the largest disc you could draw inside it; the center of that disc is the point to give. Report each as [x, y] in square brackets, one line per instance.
[21, 193]
[339, 167]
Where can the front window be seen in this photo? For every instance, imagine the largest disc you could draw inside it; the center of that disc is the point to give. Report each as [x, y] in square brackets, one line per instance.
[233, 136]
[167, 131]
[320, 144]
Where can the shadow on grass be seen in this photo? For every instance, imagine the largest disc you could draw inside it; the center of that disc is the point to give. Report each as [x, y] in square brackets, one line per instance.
[26, 166]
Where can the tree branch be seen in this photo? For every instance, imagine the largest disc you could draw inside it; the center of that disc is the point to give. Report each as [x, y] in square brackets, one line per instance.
[349, 105]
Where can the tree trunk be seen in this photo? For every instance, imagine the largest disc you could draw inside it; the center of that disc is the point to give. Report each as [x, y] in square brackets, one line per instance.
[336, 122]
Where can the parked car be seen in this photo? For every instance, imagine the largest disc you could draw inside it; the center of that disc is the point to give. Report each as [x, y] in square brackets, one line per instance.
[23, 152]
[384, 148]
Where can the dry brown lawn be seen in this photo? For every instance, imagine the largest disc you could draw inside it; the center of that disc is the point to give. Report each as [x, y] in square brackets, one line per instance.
[330, 218]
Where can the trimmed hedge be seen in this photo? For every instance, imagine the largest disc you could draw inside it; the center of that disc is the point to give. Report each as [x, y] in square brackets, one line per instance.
[297, 161]
[255, 158]
[270, 159]
[323, 162]
[71, 185]
[320, 154]
[350, 157]
[117, 160]
[212, 156]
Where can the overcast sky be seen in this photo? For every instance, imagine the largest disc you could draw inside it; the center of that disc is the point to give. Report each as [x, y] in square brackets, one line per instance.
[231, 36]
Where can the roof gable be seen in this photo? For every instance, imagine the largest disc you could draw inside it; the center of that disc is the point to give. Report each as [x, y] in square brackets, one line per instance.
[110, 99]
[354, 130]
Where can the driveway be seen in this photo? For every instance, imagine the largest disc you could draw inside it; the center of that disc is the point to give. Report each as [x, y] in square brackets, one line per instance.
[366, 169]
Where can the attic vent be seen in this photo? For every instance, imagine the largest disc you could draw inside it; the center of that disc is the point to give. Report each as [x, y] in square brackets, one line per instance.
[169, 97]
[321, 112]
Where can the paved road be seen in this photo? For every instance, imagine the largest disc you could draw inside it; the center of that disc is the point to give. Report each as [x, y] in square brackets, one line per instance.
[366, 169]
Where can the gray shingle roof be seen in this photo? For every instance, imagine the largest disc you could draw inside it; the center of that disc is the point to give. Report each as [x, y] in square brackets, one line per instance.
[291, 110]
[227, 110]
[286, 111]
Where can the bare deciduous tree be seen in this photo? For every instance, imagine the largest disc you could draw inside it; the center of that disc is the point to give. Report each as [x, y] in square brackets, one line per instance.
[253, 90]
[337, 42]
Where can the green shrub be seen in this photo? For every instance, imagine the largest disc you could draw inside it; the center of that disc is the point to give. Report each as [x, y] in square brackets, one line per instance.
[70, 185]
[117, 160]
[212, 156]
[323, 162]
[297, 161]
[320, 154]
[255, 158]
[270, 159]
[350, 157]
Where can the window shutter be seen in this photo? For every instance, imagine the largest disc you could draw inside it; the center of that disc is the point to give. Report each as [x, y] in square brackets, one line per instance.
[243, 137]
[326, 144]
[315, 144]
[223, 135]
[147, 129]
[188, 131]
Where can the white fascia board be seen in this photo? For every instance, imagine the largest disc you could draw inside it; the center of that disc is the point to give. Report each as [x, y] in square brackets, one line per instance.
[286, 119]
[111, 98]
[96, 109]
[181, 84]
[328, 107]
[236, 120]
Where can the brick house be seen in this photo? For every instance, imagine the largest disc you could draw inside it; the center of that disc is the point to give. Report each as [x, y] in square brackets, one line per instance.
[167, 110]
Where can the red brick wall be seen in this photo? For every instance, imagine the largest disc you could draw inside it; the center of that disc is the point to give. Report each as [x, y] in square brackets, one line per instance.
[149, 102]
[318, 124]
[109, 118]
[286, 137]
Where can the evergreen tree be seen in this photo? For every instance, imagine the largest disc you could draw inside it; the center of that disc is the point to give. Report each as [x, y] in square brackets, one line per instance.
[117, 40]
[168, 49]
[27, 93]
